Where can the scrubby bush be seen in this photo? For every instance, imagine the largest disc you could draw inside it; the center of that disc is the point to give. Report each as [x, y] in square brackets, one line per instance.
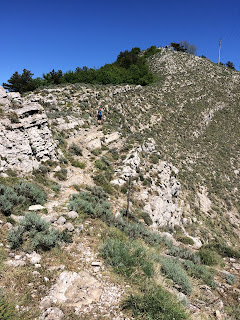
[230, 278]
[209, 257]
[185, 240]
[174, 271]
[75, 149]
[146, 217]
[31, 192]
[20, 196]
[200, 272]
[6, 309]
[223, 249]
[155, 303]
[34, 233]
[184, 254]
[127, 258]
[77, 164]
[61, 174]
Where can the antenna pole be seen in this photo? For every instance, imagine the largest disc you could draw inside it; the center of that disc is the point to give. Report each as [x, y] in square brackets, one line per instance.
[219, 51]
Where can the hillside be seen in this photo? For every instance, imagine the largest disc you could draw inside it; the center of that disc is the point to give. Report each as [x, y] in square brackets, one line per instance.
[178, 142]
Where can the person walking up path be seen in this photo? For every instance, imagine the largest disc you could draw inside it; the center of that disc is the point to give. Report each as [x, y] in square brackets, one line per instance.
[99, 116]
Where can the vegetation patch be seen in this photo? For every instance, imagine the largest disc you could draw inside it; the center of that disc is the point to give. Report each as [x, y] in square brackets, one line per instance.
[155, 304]
[173, 270]
[127, 258]
[7, 311]
[34, 233]
[20, 196]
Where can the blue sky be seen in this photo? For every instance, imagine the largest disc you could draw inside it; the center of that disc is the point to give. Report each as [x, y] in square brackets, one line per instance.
[57, 34]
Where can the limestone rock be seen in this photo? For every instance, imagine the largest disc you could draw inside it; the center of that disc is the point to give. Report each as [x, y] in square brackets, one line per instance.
[27, 141]
[52, 313]
[34, 257]
[72, 214]
[61, 220]
[36, 207]
[69, 226]
[74, 289]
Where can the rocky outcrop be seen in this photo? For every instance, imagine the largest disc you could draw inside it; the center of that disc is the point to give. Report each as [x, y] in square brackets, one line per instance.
[25, 136]
[161, 188]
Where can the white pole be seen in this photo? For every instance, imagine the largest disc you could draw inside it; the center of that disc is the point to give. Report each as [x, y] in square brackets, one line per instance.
[220, 42]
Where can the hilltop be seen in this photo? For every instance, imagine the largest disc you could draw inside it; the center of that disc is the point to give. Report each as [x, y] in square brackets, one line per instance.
[178, 140]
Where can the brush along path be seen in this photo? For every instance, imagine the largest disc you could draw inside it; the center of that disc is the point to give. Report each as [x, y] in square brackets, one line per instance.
[82, 285]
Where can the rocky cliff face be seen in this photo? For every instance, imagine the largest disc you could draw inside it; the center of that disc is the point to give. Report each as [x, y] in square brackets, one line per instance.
[25, 136]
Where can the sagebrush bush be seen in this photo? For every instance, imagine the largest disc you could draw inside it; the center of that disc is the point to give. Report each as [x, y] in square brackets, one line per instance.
[184, 253]
[127, 258]
[20, 196]
[230, 278]
[34, 233]
[155, 303]
[173, 270]
[31, 192]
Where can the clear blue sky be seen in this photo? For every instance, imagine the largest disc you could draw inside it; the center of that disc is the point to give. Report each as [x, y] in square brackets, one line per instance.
[64, 34]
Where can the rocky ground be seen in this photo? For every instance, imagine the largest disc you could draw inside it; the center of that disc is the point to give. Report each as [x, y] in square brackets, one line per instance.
[183, 179]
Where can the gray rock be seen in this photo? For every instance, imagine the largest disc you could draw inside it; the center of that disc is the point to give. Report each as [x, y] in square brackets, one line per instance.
[15, 218]
[34, 257]
[52, 313]
[15, 263]
[36, 207]
[61, 220]
[69, 226]
[72, 214]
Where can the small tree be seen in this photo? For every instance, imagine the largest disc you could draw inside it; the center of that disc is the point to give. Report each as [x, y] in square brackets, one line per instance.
[53, 77]
[230, 65]
[177, 47]
[21, 82]
[189, 48]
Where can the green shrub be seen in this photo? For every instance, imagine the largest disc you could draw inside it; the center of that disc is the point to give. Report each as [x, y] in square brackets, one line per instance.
[184, 253]
[6, 309]
[200, 272]
[34, 233]
[20, 196]
[101, 180]
[75, 149]
[155, 304]
[96, 152]
[223, 250]
[31, 191]
[127, 258]
[230, 278]
[61, 174]
[146, 217]
[209, 257]
[174, 271]
[78, 164]
[185, 240]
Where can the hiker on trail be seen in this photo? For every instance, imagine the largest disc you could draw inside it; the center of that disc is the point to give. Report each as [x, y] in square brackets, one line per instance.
[99, 116]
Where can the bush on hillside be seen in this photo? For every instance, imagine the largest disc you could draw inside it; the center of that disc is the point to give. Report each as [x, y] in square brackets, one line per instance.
[173, 270]
[6, 309]
[155, 303]
[200, 272]
[209, 257]
[20, 196]
[34, 233]
[127, 258]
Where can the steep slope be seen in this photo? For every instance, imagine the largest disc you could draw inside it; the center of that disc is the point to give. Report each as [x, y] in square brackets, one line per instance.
[177, 141]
